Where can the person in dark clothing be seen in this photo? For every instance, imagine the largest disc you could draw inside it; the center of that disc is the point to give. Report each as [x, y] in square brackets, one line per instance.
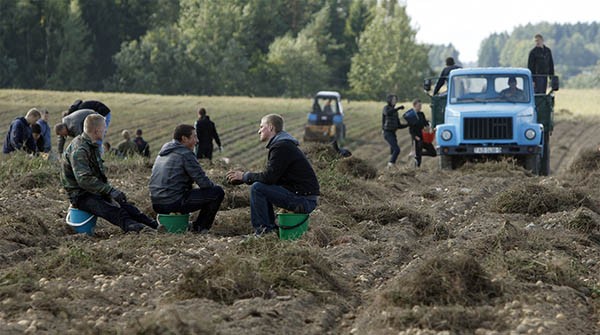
[71, 125]
[143, 146]
[206, 133]
[19, 136]
[540, 64]
[97, 106]
[288, 181]
[450, 65]
[390, 122]
[45, 130]
[174, 172]
[38, 139]
[83, 178]
[328, 110]
[416, 133]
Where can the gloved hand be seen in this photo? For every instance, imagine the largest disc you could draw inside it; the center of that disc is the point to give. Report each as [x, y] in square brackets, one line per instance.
[117, 195]
[221, 148]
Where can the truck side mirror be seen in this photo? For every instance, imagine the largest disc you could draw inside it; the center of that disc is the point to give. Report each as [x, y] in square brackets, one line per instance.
[427, 85]
[554, 83]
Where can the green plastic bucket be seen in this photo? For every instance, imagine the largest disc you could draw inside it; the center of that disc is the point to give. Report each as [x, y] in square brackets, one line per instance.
[292, 225]
[174, 223]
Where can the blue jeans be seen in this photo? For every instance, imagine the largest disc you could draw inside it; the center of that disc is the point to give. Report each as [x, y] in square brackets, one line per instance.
[390, 137]
[262, 199]
[207, 200]
[121, 214]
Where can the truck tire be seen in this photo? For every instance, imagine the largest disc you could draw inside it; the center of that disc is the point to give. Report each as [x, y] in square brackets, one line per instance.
[545, 162]
[446, 162]
[532, 163]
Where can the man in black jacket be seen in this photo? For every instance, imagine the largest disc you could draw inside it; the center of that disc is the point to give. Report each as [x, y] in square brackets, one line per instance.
[416, 133]
[450, 65]
[288, 181]
[206, 132]
[540, 64]
[390, 122]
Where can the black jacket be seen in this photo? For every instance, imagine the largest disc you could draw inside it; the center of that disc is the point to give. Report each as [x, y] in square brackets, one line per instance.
[286, 166]
[443, 77]
[94, 105]
[417, 129]
[540, 61]
[206, 132]
[390, 120]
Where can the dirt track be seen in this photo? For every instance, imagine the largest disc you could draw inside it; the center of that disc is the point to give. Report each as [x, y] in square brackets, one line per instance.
[410, 252]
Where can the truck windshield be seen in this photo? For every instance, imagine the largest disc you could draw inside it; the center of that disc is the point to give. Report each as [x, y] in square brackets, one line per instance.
[489, 88]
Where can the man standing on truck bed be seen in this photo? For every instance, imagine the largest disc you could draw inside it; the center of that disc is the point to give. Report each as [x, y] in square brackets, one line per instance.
[540, 64]
[450, 65]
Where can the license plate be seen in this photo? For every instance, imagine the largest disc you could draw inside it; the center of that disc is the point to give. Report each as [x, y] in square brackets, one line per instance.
[487, 150]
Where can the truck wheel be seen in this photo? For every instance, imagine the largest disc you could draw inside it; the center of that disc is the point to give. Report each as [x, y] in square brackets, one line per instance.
[545, 163]
[532, 163]
[446, 162]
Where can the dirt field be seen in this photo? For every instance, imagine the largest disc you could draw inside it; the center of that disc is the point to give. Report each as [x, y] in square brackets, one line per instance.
[487, 249]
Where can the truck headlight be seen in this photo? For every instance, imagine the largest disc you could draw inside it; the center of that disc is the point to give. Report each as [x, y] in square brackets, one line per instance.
[530, 134]
[446, 135]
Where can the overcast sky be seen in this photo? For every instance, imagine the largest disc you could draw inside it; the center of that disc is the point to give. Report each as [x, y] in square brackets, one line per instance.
[465, 23]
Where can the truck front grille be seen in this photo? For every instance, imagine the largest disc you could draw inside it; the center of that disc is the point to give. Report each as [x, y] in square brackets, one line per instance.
[488, 128]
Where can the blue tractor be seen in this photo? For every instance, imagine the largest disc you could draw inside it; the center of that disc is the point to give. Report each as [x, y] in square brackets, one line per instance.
[326, 119]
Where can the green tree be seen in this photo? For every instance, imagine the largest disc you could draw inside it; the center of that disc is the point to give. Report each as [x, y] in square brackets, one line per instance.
[297, 62]
[389, 60]
[75, 54]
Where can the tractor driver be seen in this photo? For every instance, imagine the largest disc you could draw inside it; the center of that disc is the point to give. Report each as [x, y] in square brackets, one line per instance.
[512, 92]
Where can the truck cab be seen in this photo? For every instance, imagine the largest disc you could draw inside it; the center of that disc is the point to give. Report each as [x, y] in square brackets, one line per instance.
[492, 112]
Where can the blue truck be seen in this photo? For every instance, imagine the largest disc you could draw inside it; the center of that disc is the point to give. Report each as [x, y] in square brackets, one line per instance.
[491, 113]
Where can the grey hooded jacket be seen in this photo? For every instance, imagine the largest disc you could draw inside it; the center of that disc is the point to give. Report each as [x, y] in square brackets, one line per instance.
[174, 172]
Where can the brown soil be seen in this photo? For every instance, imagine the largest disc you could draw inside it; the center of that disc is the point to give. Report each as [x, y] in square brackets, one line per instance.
[486, 249]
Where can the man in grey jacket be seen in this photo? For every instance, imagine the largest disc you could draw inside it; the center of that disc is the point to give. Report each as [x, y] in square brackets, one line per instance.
[71, 125]
[175, 171]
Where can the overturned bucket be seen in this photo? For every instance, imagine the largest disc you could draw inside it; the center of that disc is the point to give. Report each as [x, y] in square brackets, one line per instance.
[292, 225]
[82, 221]
[174, 223]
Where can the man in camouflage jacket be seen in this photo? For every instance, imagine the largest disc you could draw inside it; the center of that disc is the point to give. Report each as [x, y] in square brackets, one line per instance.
[84, 180]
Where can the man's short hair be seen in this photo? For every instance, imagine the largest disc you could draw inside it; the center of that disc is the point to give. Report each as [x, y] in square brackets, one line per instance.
[36, 128]
[539, 36]
[183, 130]
[416, 101]
[449, 61]
[58, 128]
[275, 120]
[512, 79]
[93, 122]
[202, 111]
[125, 134]
[138, 132]
[33, 112]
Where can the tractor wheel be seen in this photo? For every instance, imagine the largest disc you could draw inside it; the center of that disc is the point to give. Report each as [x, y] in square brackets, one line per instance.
[532, 163]
[446, 162]
[545, 162]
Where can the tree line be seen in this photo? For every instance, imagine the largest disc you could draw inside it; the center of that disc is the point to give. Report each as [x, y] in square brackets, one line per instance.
[575, 49]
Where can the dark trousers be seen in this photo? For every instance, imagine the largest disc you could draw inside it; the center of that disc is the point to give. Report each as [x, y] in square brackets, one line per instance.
[262, 199]
[423, 149]
[390, 137]
[207, 200]
[204, 151]
[120, 214]
[540, 83]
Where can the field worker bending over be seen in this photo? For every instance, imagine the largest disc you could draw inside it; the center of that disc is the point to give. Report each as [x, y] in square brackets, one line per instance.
[288, 181]
[86, 184]
[19, 133]
[175, 171]
[71, 125]
[97, 106]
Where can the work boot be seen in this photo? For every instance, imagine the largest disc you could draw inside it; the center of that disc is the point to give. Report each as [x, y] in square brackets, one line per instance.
[133, 226]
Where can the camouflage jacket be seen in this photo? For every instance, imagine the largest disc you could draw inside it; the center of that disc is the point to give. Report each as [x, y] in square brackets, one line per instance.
[83, 169]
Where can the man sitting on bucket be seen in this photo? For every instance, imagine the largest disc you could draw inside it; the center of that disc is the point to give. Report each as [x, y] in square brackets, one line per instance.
[86, 184]
[175, 171]
[288, 181]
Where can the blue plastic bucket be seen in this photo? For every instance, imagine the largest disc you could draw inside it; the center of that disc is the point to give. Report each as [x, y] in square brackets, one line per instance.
[82, 221]
[411, 117]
